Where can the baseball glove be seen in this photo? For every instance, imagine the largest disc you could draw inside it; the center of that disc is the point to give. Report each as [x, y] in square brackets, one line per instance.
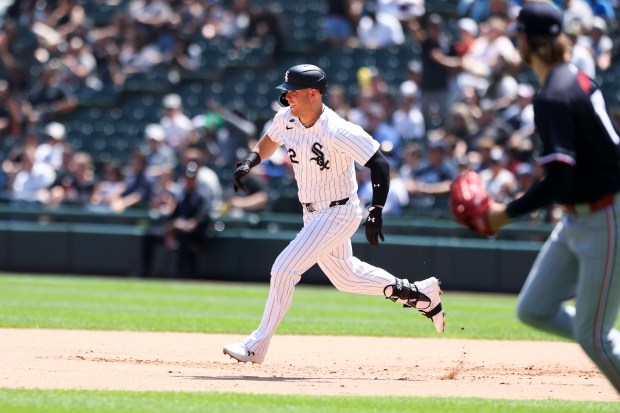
[470, 202]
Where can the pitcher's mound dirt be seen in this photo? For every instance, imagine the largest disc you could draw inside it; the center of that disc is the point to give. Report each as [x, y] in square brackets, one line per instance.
[323, 365]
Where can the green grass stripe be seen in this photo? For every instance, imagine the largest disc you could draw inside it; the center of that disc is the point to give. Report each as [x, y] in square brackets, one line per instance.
[70, 401]
[33, 301]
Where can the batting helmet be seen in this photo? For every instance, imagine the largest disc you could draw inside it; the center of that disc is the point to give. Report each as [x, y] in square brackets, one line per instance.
[304, 77]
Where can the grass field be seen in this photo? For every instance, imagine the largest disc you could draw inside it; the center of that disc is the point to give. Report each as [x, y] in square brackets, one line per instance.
[33, 301]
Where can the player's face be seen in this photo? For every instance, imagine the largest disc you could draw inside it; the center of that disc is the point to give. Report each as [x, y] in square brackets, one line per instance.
[299, 101]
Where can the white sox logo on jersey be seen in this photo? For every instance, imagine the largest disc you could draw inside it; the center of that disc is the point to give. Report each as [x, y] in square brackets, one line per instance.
[320, 156]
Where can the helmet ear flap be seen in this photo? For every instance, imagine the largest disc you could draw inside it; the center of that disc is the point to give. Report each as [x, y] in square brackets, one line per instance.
[282, 100]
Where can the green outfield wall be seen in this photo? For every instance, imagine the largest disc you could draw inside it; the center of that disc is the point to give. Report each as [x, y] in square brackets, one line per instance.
[246, 254]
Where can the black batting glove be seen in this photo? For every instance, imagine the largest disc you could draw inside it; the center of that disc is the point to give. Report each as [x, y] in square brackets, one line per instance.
[374, 224]
[242, 170]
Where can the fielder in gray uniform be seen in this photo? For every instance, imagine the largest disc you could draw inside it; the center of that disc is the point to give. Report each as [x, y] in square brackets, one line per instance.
[323, 149]
[581, 158]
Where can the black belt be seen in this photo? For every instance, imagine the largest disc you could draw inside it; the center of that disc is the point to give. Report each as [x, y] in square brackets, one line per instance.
[310, 207]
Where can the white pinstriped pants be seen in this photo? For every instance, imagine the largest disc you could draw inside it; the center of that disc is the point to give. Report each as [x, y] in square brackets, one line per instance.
[325, 239]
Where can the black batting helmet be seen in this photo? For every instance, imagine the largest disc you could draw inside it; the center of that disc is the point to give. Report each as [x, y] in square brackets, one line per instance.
[304, 77]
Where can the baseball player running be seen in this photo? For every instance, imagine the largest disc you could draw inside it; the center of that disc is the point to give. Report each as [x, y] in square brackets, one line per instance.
[581, 158]
[323, 149]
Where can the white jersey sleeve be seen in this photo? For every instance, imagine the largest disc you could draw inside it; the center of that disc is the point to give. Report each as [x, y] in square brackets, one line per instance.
[355, 141]
[275, 129]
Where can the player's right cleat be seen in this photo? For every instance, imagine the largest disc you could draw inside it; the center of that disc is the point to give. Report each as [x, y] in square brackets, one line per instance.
[421, 295]
[239, 352]
[433, 310]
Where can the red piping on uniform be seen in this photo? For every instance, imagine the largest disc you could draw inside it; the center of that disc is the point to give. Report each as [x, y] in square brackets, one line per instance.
[605, 284]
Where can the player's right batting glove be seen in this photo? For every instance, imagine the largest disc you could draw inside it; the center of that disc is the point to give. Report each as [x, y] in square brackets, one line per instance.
[374, 224]
[242, 170]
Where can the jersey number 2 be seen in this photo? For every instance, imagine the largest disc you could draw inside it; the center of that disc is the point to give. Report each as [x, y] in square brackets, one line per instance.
[292, 155]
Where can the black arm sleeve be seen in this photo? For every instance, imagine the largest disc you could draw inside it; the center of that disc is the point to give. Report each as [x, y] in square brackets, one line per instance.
[552, 188]
[380, 177]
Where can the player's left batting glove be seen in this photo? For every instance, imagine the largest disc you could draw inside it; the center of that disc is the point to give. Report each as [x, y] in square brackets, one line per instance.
[242, 170]
[374, 224]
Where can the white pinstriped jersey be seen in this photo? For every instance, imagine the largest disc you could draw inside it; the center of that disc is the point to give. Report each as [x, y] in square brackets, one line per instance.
[323, 155]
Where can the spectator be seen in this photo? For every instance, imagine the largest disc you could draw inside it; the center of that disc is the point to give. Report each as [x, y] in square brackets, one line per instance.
[138, 54]
[604, 9]
[340, 22]
[461, 124]
[582, 55]
[150, 13]
[265, 31]
[378, 127]
[138, 188]
[17, 57]
[10, 113]
[502, 87]
[520, 115]
[358, 114]
[500, 183]
[66, 18]
[408, 119]
[411, 159]
[79, 66]
[109, 188]
[32, 179]
[468, 32]
[75, 187]
[600, 43]
[492, 50]
[481, 10]
[434, 94]
[414, 71]
[192, 15]
[377, 30]
[159, 156]
[207, 128]
[47, 98]
[51, 151]
[337, 100]
[578, 10]
[184, 230]
[491, 125]
[109, 66]
[231, 23]
[185, 56]
[165, 192]
[403, 10]
[429, 184]
[176, 125]
[233, 139]
[524, 174]
[209, 184]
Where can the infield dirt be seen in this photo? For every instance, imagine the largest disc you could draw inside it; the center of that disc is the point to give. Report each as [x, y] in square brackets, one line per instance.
[315, 365]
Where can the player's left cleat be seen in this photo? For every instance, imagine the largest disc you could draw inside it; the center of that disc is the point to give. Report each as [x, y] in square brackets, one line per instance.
[422, 295]
[433, 309]
[240, 352]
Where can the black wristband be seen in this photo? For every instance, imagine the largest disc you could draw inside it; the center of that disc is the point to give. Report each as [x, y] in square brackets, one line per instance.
[252, 159]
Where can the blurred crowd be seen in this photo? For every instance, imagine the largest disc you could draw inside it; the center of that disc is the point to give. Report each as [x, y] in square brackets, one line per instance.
[466, 101]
